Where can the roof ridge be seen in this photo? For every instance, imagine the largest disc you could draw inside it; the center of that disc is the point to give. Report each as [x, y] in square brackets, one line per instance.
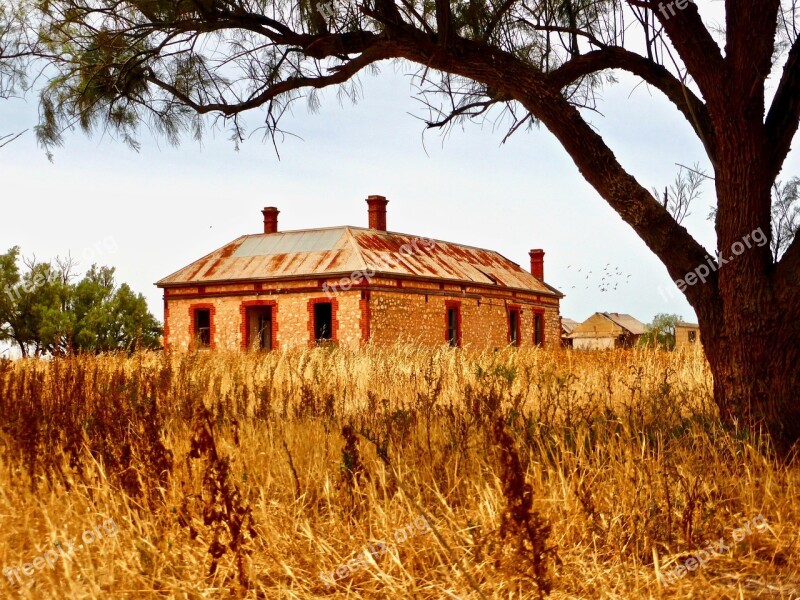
[357, 248]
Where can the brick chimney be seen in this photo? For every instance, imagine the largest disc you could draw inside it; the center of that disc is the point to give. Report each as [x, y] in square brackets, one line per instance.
[537, 263]
[270, 219]
[377, 212]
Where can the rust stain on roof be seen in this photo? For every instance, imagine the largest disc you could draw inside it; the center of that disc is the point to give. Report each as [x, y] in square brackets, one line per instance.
[221, 256]
[320, 252]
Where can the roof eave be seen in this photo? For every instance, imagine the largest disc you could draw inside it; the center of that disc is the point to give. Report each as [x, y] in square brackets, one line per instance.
[183, 284]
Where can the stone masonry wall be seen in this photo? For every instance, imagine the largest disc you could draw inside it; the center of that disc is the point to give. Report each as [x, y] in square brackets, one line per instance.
[291, 312]
[484, 321]
[383, 315]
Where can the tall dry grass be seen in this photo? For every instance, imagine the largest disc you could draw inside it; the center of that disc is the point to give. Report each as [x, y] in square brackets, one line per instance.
[581, 475]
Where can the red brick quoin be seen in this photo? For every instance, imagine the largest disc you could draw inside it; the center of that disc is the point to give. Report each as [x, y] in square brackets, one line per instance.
[366, 315]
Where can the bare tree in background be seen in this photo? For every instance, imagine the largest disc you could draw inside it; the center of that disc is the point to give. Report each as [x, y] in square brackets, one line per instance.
[785, 216]
[679, 196]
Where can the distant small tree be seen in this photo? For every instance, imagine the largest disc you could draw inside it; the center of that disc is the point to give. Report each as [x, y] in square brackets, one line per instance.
[679, 196]
[9, 280]
[44, 313]
[661, 332]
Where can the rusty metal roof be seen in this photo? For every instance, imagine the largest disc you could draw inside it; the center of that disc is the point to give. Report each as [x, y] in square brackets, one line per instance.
[343, 250]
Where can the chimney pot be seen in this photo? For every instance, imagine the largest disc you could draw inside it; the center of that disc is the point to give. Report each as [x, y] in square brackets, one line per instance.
[270, 219]
[537, 263]
[377, 212]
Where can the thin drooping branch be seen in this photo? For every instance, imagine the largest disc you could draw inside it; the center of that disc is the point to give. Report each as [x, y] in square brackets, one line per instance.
[473, 109]
[340, 74]
[10, 137]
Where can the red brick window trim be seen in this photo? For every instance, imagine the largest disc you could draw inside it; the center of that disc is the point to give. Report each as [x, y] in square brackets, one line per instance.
[452, 323]
[514, 320]
[538, 328]
[195, 333]
[314, 313]
[244, 323]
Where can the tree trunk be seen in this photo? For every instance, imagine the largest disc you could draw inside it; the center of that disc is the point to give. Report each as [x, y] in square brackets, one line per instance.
[749, 329]
[754, 364]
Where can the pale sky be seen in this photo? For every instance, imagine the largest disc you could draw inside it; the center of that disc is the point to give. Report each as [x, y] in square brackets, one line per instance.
[155, 211]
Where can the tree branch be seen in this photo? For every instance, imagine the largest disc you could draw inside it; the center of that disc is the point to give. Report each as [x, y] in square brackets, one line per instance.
[514, 79]
[694, 44]
[8, 138]
[750, 34]
[783, 118]
[692, 107]
[341, 74]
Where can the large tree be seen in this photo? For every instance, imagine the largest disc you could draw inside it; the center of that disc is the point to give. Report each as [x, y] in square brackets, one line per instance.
[165, 62]
[44, 313]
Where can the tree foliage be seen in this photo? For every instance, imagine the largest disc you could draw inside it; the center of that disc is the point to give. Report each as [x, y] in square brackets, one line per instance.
[43, 312]
[661, 332]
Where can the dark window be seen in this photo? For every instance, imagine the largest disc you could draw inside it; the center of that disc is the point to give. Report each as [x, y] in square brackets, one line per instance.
[692, 336]
[323, 321]
[513, 327]
[453, 333]
[259, 323]
[202, 327]
[538, 329]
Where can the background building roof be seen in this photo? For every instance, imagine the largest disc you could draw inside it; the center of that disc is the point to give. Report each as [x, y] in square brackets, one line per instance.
[567, 325]
[603, 324]
[628, 322]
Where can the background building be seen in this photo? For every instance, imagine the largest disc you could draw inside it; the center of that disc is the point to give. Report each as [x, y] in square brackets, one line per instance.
[687, 335]
[606, 330]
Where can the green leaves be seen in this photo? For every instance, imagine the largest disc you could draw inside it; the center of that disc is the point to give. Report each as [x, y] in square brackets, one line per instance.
[661, 332]
[44, 313]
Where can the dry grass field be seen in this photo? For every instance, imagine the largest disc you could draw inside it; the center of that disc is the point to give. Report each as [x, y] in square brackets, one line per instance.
[393, 473]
